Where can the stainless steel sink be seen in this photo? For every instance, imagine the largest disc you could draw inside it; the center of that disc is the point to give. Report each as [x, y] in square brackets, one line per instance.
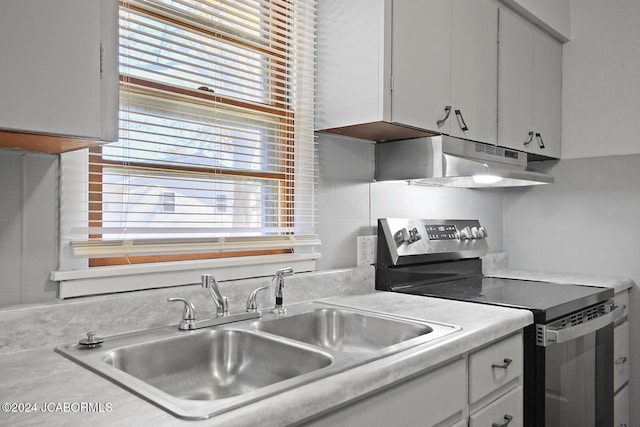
[344, 330]
[198, 374]
[216, 364]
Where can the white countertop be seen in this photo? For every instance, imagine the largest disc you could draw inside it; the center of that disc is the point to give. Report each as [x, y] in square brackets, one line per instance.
[41, 376]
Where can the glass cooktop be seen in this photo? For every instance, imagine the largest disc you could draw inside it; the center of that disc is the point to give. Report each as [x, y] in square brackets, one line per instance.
[546, 300]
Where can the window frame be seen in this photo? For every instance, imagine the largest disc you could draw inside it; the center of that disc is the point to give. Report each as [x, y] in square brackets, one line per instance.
[277, 107]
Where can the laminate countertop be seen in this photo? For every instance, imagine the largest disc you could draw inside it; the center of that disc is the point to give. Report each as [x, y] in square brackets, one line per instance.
[65, 390]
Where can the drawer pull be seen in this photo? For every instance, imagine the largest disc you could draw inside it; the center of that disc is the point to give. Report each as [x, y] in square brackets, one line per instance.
[447, 110]
[505, 365]
[461, 123]
[621, 360]
[507, 420]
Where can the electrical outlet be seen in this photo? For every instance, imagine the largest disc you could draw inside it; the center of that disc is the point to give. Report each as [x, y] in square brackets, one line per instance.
[366, 250]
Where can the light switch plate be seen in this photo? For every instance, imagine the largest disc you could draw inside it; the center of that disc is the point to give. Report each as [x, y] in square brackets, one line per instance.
[366, 250]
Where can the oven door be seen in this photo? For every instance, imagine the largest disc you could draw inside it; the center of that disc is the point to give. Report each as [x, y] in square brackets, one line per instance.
[578, 361]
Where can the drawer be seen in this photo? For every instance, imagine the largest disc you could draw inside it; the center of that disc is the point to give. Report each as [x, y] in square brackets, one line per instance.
[622, 300]
[495, 366]
[620, 355]
[506, 411]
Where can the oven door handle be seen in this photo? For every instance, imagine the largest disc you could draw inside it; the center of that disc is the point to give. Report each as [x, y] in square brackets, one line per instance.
[549, 336]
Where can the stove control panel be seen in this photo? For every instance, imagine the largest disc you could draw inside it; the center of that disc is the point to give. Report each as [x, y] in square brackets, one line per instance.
[447, 239]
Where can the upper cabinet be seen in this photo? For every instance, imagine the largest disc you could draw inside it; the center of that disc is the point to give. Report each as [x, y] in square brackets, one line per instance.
[444, 66]
[59, 78]
[529, 88]
[395, 69]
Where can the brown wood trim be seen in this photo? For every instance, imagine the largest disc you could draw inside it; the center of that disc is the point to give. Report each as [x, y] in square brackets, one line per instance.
[201, 94]
[160, 167]
[104, 262]
[54, 144]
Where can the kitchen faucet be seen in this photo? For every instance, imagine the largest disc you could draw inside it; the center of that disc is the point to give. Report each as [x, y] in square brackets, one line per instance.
[190, 319]
[279, 278]
[222, 303]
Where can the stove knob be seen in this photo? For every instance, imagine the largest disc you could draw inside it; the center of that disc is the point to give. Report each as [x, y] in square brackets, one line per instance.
[401, 236]
[474, 232]
[465, 233]
[483, 232]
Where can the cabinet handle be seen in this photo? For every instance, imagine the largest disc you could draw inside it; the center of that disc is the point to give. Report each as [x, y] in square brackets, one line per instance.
[505, 365]
[447, 110]
[621, 360]
[507, 420]
[540, 141]
[461, 119]
[528, 141]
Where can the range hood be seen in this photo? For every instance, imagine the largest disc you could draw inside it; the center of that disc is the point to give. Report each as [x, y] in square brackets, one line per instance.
[453, 162]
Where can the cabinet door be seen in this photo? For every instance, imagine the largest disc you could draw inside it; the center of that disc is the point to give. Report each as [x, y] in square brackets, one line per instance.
[474, 84]
[620, 355]
[547, 94]
[51, 72]
[421, 65]
[351, 62]
[621, 408]
[507, 410]
[515, 85]
[425, 400]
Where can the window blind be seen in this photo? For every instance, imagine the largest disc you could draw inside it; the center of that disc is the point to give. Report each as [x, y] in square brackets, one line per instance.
[216, 151]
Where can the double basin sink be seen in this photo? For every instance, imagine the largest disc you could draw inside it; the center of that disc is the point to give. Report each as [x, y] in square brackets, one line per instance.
[198, 374]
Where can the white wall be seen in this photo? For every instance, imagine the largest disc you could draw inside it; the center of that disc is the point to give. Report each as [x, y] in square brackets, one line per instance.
[601, 79]
[28, 226]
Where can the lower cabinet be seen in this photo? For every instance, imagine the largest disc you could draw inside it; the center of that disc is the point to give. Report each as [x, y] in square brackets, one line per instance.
[621, 408]
[432, 399]
[495, 366]
[506, 411]
[621, 355]
[481, 388]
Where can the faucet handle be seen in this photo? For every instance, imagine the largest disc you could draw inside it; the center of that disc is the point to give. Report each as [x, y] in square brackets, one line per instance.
[189, 312]
[252, 304]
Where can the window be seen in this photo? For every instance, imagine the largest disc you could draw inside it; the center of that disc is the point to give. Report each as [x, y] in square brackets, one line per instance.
[216, 155]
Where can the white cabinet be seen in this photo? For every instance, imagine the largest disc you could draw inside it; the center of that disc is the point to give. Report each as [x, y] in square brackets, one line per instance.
[505, 411]
[529, 88]
[60, 68]
[478, 389]
[445, 65]
[388, 69]
[620, 355]
[621, 363]
[621, 408]
[495, 384]
[429, 399]
[494, 367]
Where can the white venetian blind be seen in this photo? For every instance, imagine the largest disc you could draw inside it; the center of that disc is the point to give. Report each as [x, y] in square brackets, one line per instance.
[216, 150]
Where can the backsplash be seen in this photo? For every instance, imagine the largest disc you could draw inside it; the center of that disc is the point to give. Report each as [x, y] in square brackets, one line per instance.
[28, 226]
[50, 324]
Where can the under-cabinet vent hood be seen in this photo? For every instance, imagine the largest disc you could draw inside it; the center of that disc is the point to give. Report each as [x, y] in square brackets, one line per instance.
[452, 162]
